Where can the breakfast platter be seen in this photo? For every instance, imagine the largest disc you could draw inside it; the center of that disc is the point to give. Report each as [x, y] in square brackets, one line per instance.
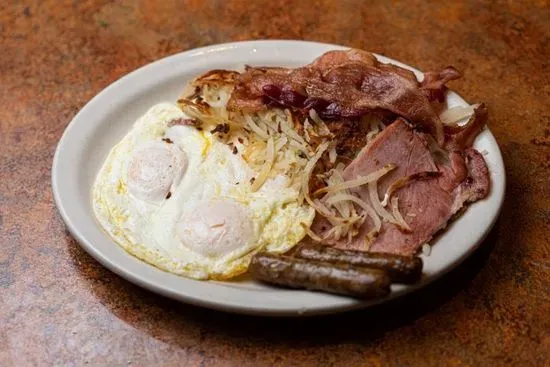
[279, 178]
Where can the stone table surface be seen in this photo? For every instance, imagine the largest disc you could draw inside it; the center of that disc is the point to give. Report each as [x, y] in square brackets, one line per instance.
[58, 306]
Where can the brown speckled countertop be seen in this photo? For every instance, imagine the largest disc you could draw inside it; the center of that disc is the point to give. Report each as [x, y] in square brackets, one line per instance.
[60, 307]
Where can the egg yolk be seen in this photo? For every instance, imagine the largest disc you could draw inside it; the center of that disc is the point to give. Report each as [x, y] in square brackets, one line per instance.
[154, 168]
[216, 228]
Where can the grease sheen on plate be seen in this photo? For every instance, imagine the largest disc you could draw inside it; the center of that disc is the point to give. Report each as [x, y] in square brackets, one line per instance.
[108, 117]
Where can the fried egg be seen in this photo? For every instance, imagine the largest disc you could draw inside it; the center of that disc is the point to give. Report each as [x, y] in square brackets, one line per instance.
[180, 199]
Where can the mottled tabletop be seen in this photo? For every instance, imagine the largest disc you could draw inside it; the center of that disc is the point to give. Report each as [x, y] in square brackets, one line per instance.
[59, 306]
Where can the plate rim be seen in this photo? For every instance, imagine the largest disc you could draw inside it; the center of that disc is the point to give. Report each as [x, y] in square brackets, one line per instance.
[142, 279]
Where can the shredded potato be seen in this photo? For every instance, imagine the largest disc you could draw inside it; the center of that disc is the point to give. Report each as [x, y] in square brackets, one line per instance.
[307, 173]
[301, 147]
[281, 143]
[254, 127]
[266, 169]
[202, 112]
[322, 128]
[288, 129]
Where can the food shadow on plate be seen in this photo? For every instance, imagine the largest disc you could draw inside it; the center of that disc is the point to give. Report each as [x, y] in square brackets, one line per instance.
[163, 318]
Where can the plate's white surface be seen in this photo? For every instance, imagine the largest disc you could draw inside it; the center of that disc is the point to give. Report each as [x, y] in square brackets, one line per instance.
[109, 115]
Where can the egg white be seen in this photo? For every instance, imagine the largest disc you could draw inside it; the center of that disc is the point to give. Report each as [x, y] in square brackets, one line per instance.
[147, 229]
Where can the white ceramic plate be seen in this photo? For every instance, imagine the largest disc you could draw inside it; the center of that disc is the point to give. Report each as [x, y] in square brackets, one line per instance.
[109, 115]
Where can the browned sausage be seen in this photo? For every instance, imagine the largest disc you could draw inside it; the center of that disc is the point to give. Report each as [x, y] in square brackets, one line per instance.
[401, 269]
[333, 278]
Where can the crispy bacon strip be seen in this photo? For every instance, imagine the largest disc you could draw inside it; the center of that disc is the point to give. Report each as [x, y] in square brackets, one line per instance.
[346, 85]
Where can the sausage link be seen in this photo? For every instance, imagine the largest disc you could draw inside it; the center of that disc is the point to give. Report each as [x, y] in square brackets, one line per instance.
[401, 269]
[333, 278]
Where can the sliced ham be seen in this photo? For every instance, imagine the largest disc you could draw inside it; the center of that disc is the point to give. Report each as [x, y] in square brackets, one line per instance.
[426, 205]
